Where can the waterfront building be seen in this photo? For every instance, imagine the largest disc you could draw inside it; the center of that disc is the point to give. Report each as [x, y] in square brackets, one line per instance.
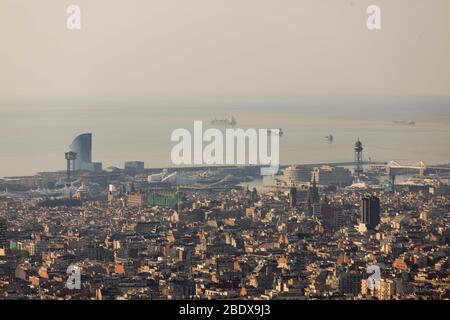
[328, 175]
[295, 175]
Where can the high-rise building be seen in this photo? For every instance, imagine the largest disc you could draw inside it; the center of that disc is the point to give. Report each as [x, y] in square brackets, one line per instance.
[3, 238]
[350, 283]
[313, 193]
[82, 146]
[370, 211]
[327, 215]
[312, 198]
[254, 195]
[293, 197]
[331, 217]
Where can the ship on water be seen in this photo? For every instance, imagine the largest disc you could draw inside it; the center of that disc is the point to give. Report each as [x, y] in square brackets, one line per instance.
[330, 137]
[230, 121]
[404, 122]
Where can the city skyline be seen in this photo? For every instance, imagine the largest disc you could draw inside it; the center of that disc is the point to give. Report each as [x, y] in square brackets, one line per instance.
[234, 157]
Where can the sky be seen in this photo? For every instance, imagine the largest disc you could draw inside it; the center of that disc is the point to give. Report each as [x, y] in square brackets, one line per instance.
[146, 48]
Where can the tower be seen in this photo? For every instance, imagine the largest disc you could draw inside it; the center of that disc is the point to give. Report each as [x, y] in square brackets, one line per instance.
[358, 159]
[70, 157]
[293, 197]
[392, 179]
[370, 211]
[254, 195]
[312, 198]
[313, 193]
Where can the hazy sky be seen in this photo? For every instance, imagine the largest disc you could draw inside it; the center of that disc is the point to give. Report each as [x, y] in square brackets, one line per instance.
[143, 48]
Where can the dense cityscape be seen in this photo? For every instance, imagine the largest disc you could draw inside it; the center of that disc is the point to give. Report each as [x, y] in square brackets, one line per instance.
[311, 232]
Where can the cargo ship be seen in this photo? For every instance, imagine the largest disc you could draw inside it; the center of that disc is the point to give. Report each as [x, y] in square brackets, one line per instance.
[231, 121]
[404, 122]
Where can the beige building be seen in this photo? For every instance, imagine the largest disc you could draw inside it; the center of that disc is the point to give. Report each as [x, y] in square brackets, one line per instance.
[327, 175]
[296, 175]
[386, 292]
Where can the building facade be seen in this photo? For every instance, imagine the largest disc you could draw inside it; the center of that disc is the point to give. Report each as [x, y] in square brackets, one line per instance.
[370, 211]
[3, 238]
[295, 175]
[82, 146]
[327, 175]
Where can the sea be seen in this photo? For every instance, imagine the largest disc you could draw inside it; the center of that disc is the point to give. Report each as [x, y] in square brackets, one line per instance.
[35, 135]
